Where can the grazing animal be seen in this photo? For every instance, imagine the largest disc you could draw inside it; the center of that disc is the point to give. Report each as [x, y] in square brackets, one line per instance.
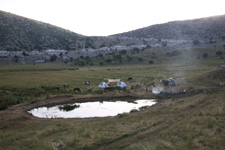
[77, 89]
[138, 85]
[57, 88]
[65, 86]
[87, 82]
[129, 79]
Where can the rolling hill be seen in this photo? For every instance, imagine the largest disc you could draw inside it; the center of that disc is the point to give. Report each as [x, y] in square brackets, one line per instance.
[22, 34]
[202, 29]
[19, 33]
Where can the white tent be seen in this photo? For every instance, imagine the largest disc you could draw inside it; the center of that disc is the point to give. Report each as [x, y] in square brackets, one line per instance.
[122, 84]
[103, 85]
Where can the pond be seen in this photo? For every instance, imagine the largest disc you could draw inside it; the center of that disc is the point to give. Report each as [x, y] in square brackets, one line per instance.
[91, 109]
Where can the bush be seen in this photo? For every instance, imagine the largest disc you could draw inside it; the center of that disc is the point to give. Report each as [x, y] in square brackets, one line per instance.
[6, 101]
[219, 53]
[68, 107]
[53, 58]
[108, 60]
[140, 59]
[151, 62]
[123, 52]
[195, 42]
[173, 53]
[205, 55]
[164, 44]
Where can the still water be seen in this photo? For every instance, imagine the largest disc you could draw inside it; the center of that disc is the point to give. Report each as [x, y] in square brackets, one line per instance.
[91, 109]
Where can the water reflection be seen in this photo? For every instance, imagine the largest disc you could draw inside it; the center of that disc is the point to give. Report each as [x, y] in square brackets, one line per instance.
[91, 109]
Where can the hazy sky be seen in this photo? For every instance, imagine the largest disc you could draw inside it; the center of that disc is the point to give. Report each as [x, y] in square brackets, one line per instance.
[106, 17]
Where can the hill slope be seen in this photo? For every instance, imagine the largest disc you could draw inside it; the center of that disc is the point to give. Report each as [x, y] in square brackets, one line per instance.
[203, 28]
[19, 33]
[22, 34]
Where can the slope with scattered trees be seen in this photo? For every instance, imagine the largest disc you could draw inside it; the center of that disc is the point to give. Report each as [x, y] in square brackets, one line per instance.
[203, 28]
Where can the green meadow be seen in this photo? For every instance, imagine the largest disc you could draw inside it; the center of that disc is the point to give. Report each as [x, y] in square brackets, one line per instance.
[194, 121]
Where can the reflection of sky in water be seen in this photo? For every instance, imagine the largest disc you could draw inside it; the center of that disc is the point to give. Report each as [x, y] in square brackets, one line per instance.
[91, 109]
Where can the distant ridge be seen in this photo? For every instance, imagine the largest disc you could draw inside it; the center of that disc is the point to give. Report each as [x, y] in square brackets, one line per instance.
[202, 28]
[20, 33]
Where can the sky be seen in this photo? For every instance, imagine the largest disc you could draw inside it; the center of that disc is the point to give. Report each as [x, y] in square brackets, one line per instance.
[107, 17]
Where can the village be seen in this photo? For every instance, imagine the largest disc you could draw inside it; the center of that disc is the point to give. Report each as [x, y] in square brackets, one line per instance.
[35, 56]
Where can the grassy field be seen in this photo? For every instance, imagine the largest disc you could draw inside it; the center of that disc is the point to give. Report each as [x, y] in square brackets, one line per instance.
[191, 122]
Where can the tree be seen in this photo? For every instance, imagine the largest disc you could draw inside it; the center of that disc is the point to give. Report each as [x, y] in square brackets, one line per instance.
[108, 60]
[219, 53]
[71, 59]
[61, 54]
[151, 62]
[129, 58]
[123, 52]
[81, 63]
[53, 58]
[140, 59]
[24, 53]
[16, 58]
[205, 55]
[164, 44]
[195, 42]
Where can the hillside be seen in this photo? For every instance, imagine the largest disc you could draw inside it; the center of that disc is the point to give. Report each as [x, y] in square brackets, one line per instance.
[24, 40]
[203, 28]
[22, 34]
[19, 33]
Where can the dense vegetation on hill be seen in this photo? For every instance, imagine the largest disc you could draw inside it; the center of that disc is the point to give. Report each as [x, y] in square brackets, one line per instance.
[19, 33]
[22, 34]
[204, 28]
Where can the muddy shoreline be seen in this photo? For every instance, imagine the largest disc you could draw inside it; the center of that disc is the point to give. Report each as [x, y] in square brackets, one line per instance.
[18, 113]
[67, 99]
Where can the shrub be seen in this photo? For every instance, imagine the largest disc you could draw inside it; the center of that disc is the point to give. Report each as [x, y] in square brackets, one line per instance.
[68, 107]
[140, 59]
[123, 52]
[6, 101]
[151, 62]
[219, 53]
[108, 60]
[205, 55]
[53, 58]
[129, 59]
[164, 44]
[195, 42]
[173, 53]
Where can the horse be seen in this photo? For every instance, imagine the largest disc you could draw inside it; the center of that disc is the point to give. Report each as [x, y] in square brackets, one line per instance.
[77, 89]
[130, 79]
[87, 82]
[65, 86]
[57, 88]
